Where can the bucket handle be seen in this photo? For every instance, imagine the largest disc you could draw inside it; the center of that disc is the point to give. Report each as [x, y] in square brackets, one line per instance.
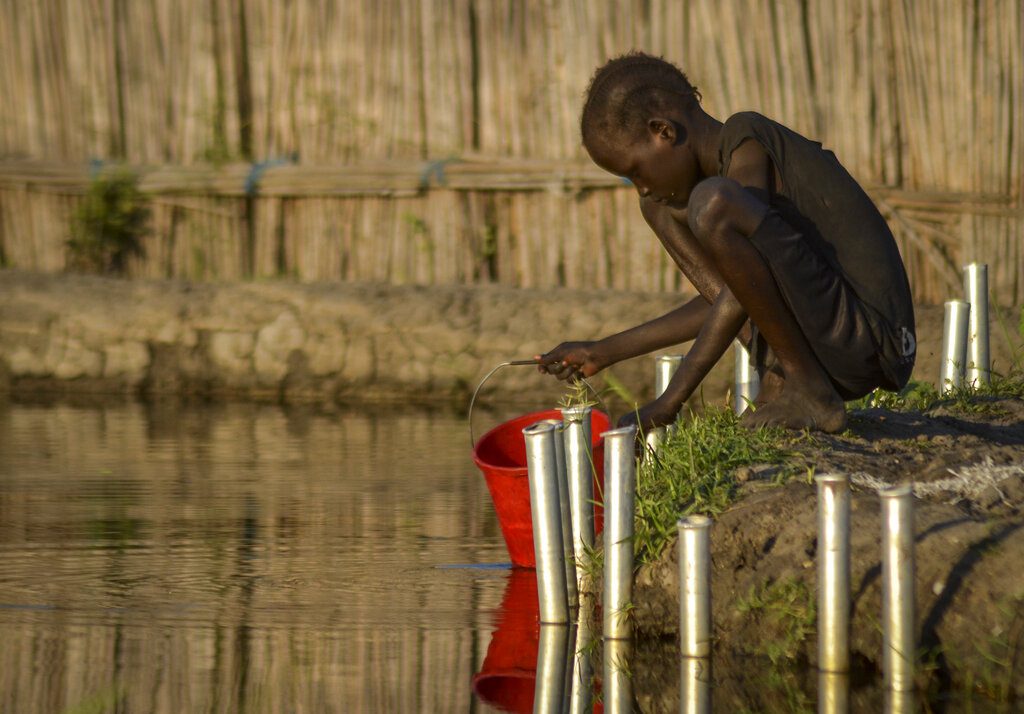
[514, 363]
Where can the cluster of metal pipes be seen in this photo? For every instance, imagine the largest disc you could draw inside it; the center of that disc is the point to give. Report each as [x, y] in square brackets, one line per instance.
[965, 356]
[561, 474]
[898, 615]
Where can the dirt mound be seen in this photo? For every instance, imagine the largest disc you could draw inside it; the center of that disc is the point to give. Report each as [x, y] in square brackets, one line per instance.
[967, 465]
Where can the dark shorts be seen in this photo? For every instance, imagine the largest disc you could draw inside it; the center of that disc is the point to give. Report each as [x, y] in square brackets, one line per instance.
[831, 316]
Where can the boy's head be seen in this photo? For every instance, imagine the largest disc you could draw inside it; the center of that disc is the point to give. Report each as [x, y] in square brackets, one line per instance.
[628, 91]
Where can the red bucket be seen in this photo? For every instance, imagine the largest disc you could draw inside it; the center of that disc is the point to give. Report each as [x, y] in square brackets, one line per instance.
[501, 456]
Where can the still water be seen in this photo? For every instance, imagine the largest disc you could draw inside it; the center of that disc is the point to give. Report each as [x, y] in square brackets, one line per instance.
[229, 558]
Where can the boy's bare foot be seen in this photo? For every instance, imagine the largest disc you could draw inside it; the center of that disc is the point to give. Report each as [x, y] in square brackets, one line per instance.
[796, 410]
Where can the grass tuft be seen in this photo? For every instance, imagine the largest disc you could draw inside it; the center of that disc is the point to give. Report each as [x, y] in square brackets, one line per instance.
[789, 614]
[693, 472]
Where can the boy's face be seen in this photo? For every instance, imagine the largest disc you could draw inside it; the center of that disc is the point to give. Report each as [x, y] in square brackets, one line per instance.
[661, 165]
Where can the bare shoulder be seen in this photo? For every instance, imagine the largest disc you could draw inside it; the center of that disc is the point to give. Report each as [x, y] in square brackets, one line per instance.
[750, 165]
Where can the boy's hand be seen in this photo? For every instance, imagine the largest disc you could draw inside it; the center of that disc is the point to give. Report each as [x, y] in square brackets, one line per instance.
[570, 360]
[648, 417]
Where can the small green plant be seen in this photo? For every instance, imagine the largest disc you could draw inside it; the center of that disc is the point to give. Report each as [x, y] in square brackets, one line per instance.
[916, 396]
[577, 395]
[787, 610]
[108, 227]
[693, 471]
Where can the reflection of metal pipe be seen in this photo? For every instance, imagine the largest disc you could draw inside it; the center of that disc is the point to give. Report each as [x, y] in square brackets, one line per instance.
[549, 689]
[620, 496]
[581, 691]
[899, 644]
[547, 522]
[954, 344]
[976, 293]
[571, 589]
[833, 693]
[695, 586]
[746, 383]
[579, 471]
[833, 572]
[900, 702]
[695, 685]
[617, 685]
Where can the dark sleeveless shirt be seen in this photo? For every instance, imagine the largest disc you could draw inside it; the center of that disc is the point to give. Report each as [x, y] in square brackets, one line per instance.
[820, 199]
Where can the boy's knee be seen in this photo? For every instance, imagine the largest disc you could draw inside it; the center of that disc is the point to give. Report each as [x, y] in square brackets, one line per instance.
[719, 206]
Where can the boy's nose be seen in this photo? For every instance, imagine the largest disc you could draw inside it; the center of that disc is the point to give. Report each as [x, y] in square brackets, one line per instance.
[643, 191]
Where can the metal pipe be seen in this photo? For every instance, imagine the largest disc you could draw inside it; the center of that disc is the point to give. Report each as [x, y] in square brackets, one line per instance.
[547, 522]
[899, 644]
[695, 586]
[549, 693]
[568, 558]
[954, 344]
[695, 685]
[746, 383]
[833, 572]
[833, 693]
[976, 293]
[581, 691]
[665, 367]
[620, 496]
[579, 471]
[617, 684]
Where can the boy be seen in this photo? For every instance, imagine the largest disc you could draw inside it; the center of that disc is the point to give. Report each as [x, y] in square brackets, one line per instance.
[768, 226]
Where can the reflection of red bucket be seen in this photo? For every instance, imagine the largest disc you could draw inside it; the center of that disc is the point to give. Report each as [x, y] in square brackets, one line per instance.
[501, 456]
[509, 671]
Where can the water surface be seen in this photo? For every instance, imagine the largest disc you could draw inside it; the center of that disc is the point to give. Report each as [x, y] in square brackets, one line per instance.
[242, 558]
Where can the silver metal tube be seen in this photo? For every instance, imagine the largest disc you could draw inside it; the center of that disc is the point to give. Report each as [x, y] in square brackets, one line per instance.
[978, 367]
[746, 384]
[542, 472]
[568, 558]
[833, 693]
[695, 685]
[617, 685]
[695, 586]
[549, 690]
[833, 572]
[620, 496]
[665, 367]
[581, 692]
[954, 344]
[579, 472]
[898, 621]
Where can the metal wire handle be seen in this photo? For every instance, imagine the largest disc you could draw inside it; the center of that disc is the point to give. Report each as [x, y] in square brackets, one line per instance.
[515, 363]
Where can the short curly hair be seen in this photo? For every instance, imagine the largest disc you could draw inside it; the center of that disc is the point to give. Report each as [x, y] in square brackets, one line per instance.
[626, 91]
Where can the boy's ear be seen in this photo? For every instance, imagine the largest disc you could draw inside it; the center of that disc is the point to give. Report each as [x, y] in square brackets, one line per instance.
[667, 130]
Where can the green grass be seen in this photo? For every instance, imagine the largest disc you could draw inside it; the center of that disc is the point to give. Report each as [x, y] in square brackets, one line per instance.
[967, 399]
[787, 609]
[693, 472]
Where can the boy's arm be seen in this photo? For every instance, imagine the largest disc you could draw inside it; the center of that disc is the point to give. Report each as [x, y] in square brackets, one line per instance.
[588, 358]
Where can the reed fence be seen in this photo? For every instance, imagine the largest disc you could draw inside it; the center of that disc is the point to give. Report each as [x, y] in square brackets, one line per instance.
[437, 141]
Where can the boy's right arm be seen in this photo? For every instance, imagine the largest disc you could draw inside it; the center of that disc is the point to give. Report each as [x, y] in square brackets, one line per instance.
[587, 358]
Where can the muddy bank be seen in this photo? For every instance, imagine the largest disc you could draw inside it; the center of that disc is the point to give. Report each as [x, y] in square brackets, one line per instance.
[328, 343]
[968, 469]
